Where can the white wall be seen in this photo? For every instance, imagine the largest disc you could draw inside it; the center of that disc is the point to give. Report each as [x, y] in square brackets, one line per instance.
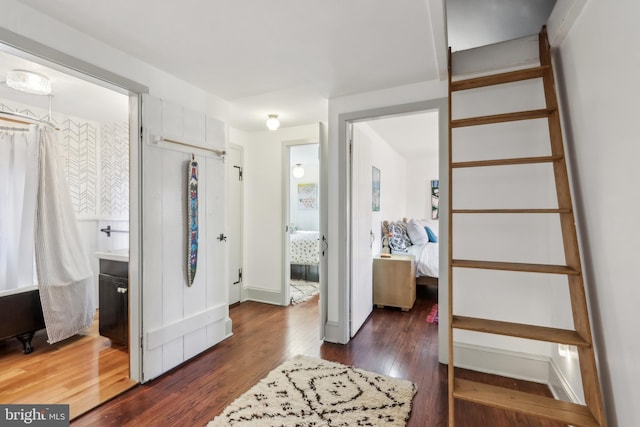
[598, 83]
[508, 296]
[263, 208]
[393, 179]
[420, 172]
[307, 156]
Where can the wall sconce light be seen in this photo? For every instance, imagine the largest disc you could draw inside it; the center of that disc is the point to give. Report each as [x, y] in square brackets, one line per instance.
[272, 122]
[29, 82]
[298, 171]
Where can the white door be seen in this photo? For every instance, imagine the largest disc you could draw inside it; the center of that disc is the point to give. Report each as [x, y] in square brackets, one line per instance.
[324, 225]
[235, 164]
[180, 321]
[361, 232]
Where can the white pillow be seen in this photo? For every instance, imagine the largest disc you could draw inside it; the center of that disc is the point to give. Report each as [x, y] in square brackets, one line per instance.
[417, 233]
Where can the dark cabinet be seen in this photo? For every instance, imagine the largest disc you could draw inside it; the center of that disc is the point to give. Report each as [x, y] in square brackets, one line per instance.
[113, 318]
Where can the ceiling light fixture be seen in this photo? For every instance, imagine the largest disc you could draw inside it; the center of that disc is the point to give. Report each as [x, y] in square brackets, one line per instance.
[298, 171]
[29, 82]
[272, 122]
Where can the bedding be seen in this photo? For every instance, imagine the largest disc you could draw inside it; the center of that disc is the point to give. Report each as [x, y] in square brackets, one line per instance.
[411, 237]
[304, 247]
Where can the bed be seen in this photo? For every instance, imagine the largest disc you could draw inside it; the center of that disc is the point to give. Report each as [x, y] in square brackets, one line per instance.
[417, 238]
[304, 255]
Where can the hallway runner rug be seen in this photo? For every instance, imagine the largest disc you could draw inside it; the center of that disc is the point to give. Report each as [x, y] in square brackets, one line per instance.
[307, 391]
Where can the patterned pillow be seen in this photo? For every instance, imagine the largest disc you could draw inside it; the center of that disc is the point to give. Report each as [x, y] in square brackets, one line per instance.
[399, 240]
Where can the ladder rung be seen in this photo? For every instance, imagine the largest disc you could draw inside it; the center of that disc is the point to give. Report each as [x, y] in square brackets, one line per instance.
[511, 211]
[520, 330]
[525, 403]
[496, 79]
[506, 162]
[515, 266]
[501, 118]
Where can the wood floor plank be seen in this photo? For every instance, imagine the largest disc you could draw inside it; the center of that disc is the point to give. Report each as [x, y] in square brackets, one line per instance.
[391, 342]
[82, 371]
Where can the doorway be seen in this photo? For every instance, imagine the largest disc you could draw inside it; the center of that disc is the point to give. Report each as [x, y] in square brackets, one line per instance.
[302, 219]
[394, 160]
[235, 191]
[344, 226]
[92, 129]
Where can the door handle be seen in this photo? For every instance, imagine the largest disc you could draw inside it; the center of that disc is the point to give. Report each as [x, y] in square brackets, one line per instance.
[372, 238]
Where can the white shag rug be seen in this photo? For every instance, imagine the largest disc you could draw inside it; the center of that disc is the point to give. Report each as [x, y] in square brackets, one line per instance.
[301, 290]
[310, 392]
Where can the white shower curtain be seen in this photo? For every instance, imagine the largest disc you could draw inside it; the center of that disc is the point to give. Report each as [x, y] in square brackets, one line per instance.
[18, 187]
[64, 271]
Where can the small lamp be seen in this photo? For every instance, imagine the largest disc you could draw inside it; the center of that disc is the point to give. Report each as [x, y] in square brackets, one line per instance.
[298, 171]
[272, 122]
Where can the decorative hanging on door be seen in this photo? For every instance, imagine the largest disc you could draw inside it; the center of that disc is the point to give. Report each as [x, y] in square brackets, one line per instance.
[192, 208]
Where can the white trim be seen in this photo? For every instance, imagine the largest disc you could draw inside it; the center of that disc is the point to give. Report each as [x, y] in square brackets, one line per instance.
[343, 249]
[512, 364]
[564, 14]
[332, 332]
[266, 296]
[168, 333]
[286, 214]
[438, 21]
[560, 386]
[228, 328]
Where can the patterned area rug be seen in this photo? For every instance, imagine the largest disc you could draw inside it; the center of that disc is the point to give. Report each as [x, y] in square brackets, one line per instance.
[310, 392]
[300, 290]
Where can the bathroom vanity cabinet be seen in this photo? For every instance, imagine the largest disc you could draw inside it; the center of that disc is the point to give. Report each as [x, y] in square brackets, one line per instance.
[113, 292]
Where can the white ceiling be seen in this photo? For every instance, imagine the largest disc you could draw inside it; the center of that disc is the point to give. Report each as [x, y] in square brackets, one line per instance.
[71, 96]
[412, 136]
[289, 57]
[280, 56]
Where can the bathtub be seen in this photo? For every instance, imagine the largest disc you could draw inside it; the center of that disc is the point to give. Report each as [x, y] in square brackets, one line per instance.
[20, 315]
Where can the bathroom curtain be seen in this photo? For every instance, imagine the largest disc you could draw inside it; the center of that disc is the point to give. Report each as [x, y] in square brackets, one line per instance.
[18, 187]
[64, 271]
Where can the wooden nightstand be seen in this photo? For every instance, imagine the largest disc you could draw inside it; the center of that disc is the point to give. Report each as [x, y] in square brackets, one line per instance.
[394, 281]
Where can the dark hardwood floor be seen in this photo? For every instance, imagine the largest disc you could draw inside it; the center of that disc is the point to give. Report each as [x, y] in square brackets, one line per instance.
[392, 342]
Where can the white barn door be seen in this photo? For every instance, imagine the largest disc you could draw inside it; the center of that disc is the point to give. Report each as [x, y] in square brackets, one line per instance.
[180, 321]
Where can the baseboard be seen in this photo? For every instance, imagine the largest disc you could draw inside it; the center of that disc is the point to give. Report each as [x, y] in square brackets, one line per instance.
[332, 333]
[228, 327]
[559, 385]
[263, 295]
[522, 366]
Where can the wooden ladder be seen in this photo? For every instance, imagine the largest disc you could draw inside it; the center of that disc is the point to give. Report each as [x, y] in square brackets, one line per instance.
[591, 414]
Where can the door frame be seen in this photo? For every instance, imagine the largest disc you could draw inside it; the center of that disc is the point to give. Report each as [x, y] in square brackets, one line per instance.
[240, 149]
[344, 208]
[53, 58]
[286, 215]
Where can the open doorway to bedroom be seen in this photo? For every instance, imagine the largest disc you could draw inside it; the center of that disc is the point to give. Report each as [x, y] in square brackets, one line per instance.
[302, 213]
[394, 195]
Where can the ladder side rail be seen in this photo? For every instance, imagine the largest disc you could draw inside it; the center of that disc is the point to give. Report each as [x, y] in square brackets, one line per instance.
[450, 368]
[577, 293]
